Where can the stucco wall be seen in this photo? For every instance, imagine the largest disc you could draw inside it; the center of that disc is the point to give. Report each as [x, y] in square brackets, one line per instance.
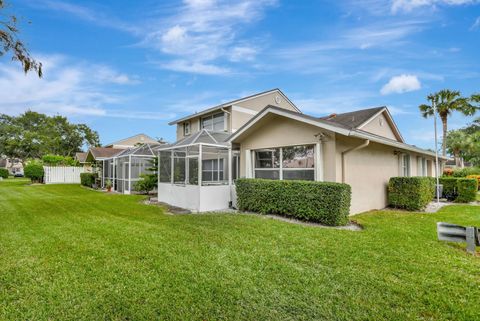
[277, 131]
[380, 126]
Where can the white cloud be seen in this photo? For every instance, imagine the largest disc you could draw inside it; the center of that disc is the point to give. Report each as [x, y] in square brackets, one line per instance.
[194, 67]
[410, 5]
[87, 14]
[67, 88]
[204, 33]
[401, 84]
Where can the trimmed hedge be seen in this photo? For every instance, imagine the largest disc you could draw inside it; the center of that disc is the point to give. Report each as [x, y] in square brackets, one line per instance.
[4, 173]
[467, 190]
[461, 190]
[321, 202]
[410, 193]
[464, 172]
[477, 177]
[34, 171]
[88, 179]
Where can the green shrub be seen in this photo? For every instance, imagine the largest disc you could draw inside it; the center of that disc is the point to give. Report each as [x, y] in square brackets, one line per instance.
[477, 177]
[464, 172]
[58, 160]
[321, 202]
[450, 191]
[88, 179]
[4, 173]
[34, 171]
[410, 193]
[467, 190]
[462, 190]
[146, 184]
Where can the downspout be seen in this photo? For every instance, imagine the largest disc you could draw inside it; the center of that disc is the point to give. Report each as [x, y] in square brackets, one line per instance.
[344, 163]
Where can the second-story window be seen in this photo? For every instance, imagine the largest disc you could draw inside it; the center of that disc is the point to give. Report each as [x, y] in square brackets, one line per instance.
[214, 122]
[186, 128]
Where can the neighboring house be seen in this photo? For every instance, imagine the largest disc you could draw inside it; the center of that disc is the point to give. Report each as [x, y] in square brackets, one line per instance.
[132, 142]
[13, 165]
[270, 138]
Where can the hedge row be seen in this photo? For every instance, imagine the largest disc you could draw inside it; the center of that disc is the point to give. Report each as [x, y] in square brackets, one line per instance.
[477, 177]
[461, 190]
[461, 172]
[410, 193]
[321, 202]
[88, 179]
[4, 173]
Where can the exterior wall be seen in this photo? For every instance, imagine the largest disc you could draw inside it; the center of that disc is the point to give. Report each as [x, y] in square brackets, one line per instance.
[380, 126]
[195, 198]
[367, 172]
[277, 131]
[195, 123]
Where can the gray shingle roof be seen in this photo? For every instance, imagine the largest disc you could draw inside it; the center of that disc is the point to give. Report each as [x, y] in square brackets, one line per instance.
[353, 119]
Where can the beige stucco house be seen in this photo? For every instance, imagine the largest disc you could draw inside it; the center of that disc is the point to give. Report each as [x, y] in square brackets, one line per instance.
[266, 136]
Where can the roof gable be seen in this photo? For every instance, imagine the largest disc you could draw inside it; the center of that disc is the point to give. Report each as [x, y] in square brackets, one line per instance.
[133, 140]
[377, 120]
[236, 101]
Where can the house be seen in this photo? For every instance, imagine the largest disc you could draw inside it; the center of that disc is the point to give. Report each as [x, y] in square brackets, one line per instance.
[131, 142]
[13, 165]
[266, 136]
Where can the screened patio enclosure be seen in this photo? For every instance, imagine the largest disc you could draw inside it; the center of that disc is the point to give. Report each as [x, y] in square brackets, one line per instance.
[196, 173]
[126, 168]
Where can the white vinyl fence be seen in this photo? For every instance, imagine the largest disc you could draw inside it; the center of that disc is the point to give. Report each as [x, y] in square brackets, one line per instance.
[63, 174]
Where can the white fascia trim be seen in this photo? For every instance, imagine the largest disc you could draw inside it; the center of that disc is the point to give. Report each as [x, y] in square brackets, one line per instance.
[394, 144]
[244, 110]
[298, 117]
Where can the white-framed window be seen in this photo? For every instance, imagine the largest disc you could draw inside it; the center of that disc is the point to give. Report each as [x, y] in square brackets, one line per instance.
[287, 163]
[215, 122]
[212, 170]
[186, 128]
[422, 171]
[405, 165]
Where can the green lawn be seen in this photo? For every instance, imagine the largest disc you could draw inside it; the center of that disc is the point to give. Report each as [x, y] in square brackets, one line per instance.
[71, 253]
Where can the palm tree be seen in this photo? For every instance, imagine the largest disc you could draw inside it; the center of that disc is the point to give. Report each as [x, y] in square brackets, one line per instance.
[448, 101]
[457, 143]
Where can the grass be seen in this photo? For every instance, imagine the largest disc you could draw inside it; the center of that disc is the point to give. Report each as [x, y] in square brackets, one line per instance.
[70, 253]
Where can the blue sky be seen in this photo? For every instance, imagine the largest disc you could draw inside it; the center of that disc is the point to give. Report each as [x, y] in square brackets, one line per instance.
[125, 67]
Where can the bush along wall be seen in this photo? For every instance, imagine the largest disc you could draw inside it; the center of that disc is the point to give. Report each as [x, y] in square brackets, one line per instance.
[88, 179]
[321, 202]
[410, 193]
[4, 173]
[461, 190]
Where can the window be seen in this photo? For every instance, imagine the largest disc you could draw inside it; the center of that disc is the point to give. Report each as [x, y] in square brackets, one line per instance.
[298, 163]
[186, 128]
[422, 166]
[212, 170]
[295, 162]
[267, 163]
[405, 165]
[214, 122]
